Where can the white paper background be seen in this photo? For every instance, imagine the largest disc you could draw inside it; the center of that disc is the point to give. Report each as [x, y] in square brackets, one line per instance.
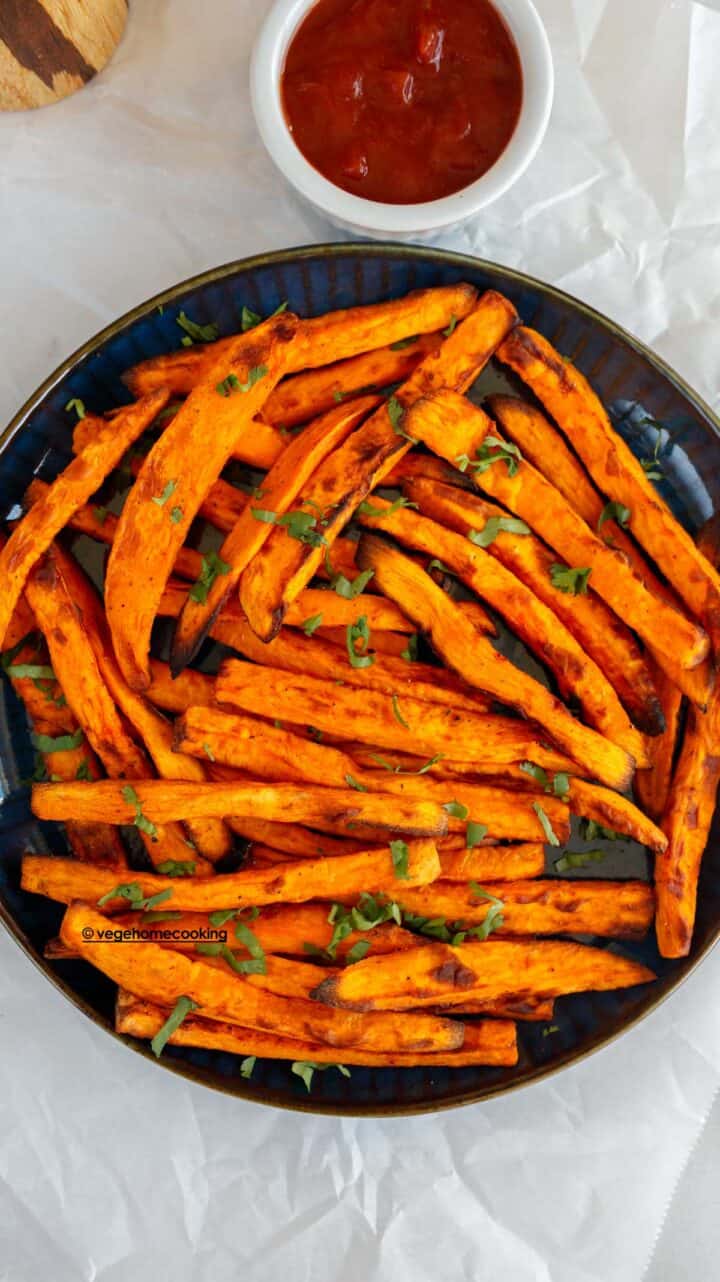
[112, 1170]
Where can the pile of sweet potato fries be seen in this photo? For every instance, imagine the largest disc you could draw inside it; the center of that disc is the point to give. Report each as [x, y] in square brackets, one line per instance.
[333, 851]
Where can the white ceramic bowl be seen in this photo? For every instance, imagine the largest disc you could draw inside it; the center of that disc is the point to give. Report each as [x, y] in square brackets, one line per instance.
[400, 222]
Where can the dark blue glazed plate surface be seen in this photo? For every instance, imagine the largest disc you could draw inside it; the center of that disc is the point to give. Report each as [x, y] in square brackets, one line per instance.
[635, 386]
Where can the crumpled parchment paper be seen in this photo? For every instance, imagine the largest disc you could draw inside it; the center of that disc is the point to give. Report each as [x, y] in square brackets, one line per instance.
[111, 1170]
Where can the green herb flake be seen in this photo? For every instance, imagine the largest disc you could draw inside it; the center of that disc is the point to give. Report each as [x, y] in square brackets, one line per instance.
[248, 1064]
[397, 713]
[497, 525]
[77, 405]
[177, 868]
[130, 890]
[357, 952]
[208, 752]
[359, 631]
[578, 859]
[547, 827]
[402, 343]
[349, 589]
[352, 782]
[367, 509]
[438, 565]
[551, 1028]
[451, 327]
[410, 653]
[561, 786]
[298, 525]
[456, 809]
[400, 857]
[83, 771]
[196, 333]
[211, 567]
[35, 671]
[312, 624]
[130, 796]
[63, 743]
[227, 386]
[161, 499]
[570, 580]
[593, 831]
[474, 834]
[493, 918]
[249, 319]
[493, 450]
[395, 411]
[176, 515]
[615, 512]
[180, 1010]
[305, 1070]
[536, 772]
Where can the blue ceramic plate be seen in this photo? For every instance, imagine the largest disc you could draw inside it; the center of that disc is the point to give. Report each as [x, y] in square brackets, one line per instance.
[635, 385]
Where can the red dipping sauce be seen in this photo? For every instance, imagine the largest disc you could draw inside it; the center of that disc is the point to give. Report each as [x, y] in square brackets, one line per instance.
[402, 101]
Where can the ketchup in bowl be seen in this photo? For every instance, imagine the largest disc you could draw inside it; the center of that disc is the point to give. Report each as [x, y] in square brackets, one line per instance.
[402, 101]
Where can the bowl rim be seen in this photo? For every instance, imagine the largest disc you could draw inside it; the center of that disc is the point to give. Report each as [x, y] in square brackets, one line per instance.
[237, 1087]
[266, 64]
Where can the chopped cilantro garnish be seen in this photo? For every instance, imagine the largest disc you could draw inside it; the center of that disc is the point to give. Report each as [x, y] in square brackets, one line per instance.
[63, 743]
[400, 856]
[212, 566]
[451, 327]
[367, 509]
[180, 1010]
[402, 343]
[208, 752]
[397, 713]
[615, 512]
[359, 631]
[176, 515]
[77, 405]
[130, 796]
[352, 782]
[474, 834]
[196, 333]
[177, 868]
[578, 859]
[161, 499]
[305, 1069]
[410, 653]
[456, 809]
[248, 1064]
[497, 525]
[571, 580]
[35, 671]
[312, 624]
[547, 827]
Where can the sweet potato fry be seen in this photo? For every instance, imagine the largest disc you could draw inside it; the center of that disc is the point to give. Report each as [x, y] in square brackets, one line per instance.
[492, 1042]
[33, 535]
[173, 480]
[371, 716]
[381, 614]
[545, 906]
[211, 837]
[614, 811]
[293, 653]
[294, 839]
[486, 971]
[571, 401]
[652, 786]
[493, 863]
[76, 666]
[65, 752]
[285, 565]
[301, 398]
[344, 876]
[161, 801]
[473, 658]
[100, 524]
[545, 447]
[278, 928]
[175, 694]
[507, 814]
[686, 822]
[282, 484]
[594, 625]
[392, 643]
[528, 616]
[446, 420]
[161, 975]
[323, 339]
[532, 1010]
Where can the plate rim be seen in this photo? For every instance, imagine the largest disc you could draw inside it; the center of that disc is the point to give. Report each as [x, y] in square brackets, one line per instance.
[237, 1087]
